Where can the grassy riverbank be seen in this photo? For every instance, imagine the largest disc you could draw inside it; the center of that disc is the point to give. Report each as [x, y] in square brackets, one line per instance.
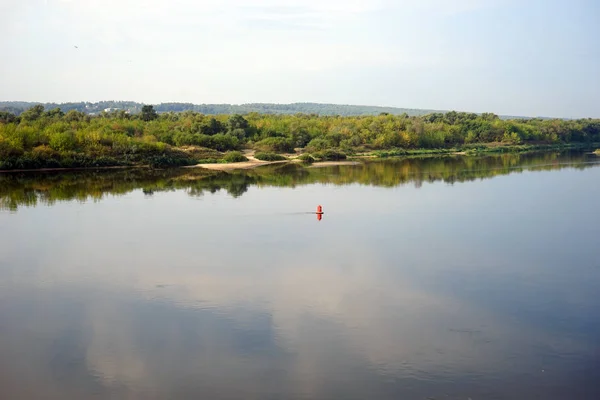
[38, 138]
[490, 148]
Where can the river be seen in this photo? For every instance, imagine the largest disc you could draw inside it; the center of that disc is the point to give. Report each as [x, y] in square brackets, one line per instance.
[434, 278]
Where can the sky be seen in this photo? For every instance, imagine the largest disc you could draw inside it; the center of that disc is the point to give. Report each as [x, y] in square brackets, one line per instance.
[526, 58]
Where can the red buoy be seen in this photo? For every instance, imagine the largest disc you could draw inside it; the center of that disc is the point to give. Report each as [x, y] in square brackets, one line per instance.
[319, 210]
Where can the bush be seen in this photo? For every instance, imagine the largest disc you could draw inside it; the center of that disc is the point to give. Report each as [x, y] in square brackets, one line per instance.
[238, 133]
[63, 141]
[330, 155]
[43, 152]
[223, 142]
[317, 144]
[219, 141]
[170, 160]
[170, 157]
[234, 156]
[276, 144]
[202, 153]
[10, 148]
[266, 156]
[307, 158]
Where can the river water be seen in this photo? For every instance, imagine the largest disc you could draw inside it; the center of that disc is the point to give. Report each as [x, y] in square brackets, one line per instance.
[437, 278]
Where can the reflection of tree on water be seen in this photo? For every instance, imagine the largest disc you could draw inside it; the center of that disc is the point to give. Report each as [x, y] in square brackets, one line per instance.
[26, 189]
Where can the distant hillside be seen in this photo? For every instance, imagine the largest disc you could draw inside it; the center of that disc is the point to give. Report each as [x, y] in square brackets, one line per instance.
[17, 107]
[294, 108]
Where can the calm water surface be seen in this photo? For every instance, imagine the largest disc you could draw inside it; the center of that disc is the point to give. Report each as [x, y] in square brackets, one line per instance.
[449, 278]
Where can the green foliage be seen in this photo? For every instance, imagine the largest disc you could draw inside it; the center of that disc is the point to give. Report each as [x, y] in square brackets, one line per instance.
[266, 156]
[7, 117]
[148, 113]
[307, 158]
[234, 156]
[236, 121]
[127, 139]
[54, 113]
[171, 158]
[317, 144]
[275, 144]
[329, 155]
[238, 133]
[223, 142]
[33, 114]
[203, 153]
[212, 127]
[63, 141]
[74, 116]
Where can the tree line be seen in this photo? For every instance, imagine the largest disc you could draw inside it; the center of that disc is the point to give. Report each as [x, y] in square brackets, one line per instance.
[41, 137]
[17, 107]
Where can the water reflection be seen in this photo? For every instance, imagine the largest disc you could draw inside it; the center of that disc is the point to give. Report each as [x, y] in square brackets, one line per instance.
[481, 290]
[27, 189]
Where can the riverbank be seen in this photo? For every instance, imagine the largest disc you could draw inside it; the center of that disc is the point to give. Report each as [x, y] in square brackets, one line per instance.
[479, 149]
[198, 157]
[38, 138]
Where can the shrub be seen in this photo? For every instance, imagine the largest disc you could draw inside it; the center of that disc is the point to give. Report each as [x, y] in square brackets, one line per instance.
[63, 141]
[170, 157]
[223, 142]
[43, 152]
[10, 148]
[219, 141]
[275, 144]
[330, 155]
[317, 144]
[238, 133]
[267, 156]
[307, 158]
[234, 156]
[202, 153]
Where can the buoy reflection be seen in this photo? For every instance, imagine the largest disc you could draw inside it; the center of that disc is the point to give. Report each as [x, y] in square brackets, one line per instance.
[319, 212]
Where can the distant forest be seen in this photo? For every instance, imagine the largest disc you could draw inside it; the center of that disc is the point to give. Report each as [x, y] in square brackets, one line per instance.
[16, 107]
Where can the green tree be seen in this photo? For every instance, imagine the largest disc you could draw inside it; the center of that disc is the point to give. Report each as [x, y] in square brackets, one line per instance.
[33, 113]
[236, 121]
[74, 115]
[212, 127]
[7, 117]
[149, 113]
[54, 113]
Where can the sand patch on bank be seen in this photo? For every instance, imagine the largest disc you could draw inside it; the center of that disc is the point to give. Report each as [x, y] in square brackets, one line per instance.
[333, 163]
[253, 162]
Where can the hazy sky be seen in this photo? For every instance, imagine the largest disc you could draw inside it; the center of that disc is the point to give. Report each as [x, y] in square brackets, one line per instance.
[537, 57]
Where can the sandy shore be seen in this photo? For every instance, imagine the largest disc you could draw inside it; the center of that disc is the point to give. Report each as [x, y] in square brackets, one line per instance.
[332, 163]
[254, 162]
[238, 165]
